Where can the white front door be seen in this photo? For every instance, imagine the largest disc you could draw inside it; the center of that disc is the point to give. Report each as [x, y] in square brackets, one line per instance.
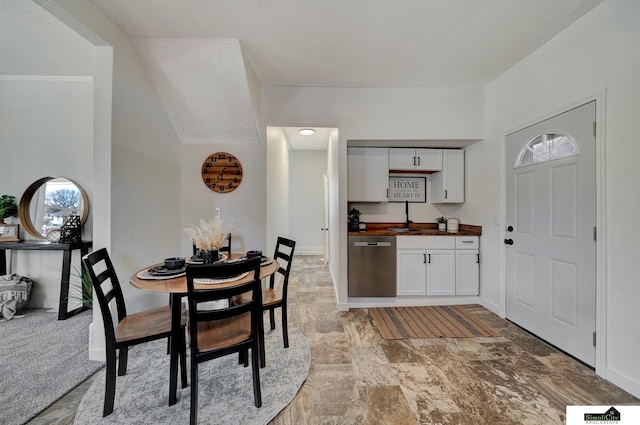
[551, 214]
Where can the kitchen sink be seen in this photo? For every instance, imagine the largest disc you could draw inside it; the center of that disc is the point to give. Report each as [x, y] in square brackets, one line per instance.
[399, 229]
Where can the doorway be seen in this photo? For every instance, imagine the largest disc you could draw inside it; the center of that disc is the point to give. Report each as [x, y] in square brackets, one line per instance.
[551, 218]
[297, 166]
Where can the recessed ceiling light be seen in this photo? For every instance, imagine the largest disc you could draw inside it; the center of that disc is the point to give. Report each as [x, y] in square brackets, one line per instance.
[306, 131]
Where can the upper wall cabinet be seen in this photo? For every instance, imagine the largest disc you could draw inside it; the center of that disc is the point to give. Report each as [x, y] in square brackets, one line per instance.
[447, 186]
[367, 174]
[406, 159]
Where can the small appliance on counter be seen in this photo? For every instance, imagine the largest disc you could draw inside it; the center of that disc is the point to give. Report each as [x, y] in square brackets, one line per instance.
[452, 225]
[354, 220]
[362, 226]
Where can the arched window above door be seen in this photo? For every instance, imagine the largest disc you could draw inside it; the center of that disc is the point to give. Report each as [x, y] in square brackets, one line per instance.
[546, 147]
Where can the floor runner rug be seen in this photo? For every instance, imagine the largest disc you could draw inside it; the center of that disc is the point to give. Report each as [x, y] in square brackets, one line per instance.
[451, 321]
[225, 393]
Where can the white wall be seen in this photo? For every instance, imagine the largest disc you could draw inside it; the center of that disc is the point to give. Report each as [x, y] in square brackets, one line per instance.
[46, 122]
[243, 208]
[368, 114]
[277, 185]
[145, 162]
[598, 52]
[306, 200]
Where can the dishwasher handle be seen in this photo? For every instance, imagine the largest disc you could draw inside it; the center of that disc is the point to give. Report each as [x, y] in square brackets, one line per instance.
[373, 244]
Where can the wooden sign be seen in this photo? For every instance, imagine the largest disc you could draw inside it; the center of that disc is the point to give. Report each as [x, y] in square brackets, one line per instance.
[412, 189]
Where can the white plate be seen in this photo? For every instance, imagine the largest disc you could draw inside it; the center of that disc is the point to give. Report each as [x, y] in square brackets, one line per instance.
[144, 274]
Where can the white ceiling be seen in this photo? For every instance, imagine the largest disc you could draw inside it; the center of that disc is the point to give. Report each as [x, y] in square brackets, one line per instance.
[200, 52]
[361, 43]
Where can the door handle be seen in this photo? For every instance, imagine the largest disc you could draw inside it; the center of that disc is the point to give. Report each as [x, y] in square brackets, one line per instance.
[508, 241]
[509, 228]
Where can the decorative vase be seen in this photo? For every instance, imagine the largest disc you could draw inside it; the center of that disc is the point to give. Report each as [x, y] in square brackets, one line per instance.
[210, 256]
[442, 226]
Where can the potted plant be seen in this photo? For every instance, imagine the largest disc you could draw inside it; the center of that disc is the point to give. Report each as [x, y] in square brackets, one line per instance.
[8, 207]
[83, 291]
[442, 223]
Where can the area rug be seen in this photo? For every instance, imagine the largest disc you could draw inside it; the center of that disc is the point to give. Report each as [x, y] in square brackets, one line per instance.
[225, 387]
[41, 359]
[452, 321]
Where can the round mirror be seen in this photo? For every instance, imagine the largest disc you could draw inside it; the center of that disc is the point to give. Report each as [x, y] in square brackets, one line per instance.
[47, 203]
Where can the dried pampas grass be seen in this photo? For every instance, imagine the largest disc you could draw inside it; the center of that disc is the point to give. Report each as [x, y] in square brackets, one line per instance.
[209, 235]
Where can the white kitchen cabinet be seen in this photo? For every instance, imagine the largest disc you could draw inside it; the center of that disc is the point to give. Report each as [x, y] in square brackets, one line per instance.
[425, 265]
[441, 272]
[415, 159]
[467, 265]
[367, 174]
[437, 265]
[447, 186]
[411, 272]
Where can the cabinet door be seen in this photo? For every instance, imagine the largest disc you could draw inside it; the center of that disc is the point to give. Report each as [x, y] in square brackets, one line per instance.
[447, 186]
[411, 272]
[429, 159]
[367, 174]
[467, 272]
[402, 159]
[441, 272]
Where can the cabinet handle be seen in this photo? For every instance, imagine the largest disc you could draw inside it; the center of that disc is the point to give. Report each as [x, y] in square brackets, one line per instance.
[429, 258]
[477, 258]
[424, 258]
[418, 161]
[445, 194]
[414, 161]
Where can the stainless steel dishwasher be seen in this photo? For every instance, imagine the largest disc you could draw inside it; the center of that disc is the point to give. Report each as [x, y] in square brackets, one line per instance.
[372, 266]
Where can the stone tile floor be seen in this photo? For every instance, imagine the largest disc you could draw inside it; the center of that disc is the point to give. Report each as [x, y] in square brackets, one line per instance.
[357, 377]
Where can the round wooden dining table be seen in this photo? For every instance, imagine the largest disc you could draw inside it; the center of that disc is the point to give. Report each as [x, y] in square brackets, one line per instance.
[177, 288]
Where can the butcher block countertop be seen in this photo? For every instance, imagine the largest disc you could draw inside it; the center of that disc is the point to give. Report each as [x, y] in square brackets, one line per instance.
[416, 229]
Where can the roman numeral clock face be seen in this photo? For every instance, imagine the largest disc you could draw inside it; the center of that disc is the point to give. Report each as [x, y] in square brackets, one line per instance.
[221, 172]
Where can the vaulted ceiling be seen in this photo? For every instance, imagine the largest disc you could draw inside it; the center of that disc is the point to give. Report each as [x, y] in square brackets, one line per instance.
[200, 52]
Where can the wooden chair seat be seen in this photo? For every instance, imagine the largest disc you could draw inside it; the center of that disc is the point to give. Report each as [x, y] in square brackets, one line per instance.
[146, 324]
[270, 297]
[224, 332]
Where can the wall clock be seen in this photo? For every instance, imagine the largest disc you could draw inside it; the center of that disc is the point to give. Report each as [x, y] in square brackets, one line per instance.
[221, 172]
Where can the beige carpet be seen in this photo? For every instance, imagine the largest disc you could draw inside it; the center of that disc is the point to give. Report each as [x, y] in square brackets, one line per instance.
[452, 321]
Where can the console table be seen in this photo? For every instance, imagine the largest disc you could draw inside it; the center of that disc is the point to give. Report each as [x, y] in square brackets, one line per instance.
[67, 249]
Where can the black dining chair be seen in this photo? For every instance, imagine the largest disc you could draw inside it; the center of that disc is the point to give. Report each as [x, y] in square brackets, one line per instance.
[275, 296]
[130, 329]
[219, 332]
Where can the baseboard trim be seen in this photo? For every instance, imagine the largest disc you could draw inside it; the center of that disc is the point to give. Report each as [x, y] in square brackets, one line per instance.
[623, 381]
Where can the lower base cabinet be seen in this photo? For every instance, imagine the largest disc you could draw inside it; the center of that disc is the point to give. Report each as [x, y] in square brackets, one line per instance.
[434, 266]
[467, 272]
